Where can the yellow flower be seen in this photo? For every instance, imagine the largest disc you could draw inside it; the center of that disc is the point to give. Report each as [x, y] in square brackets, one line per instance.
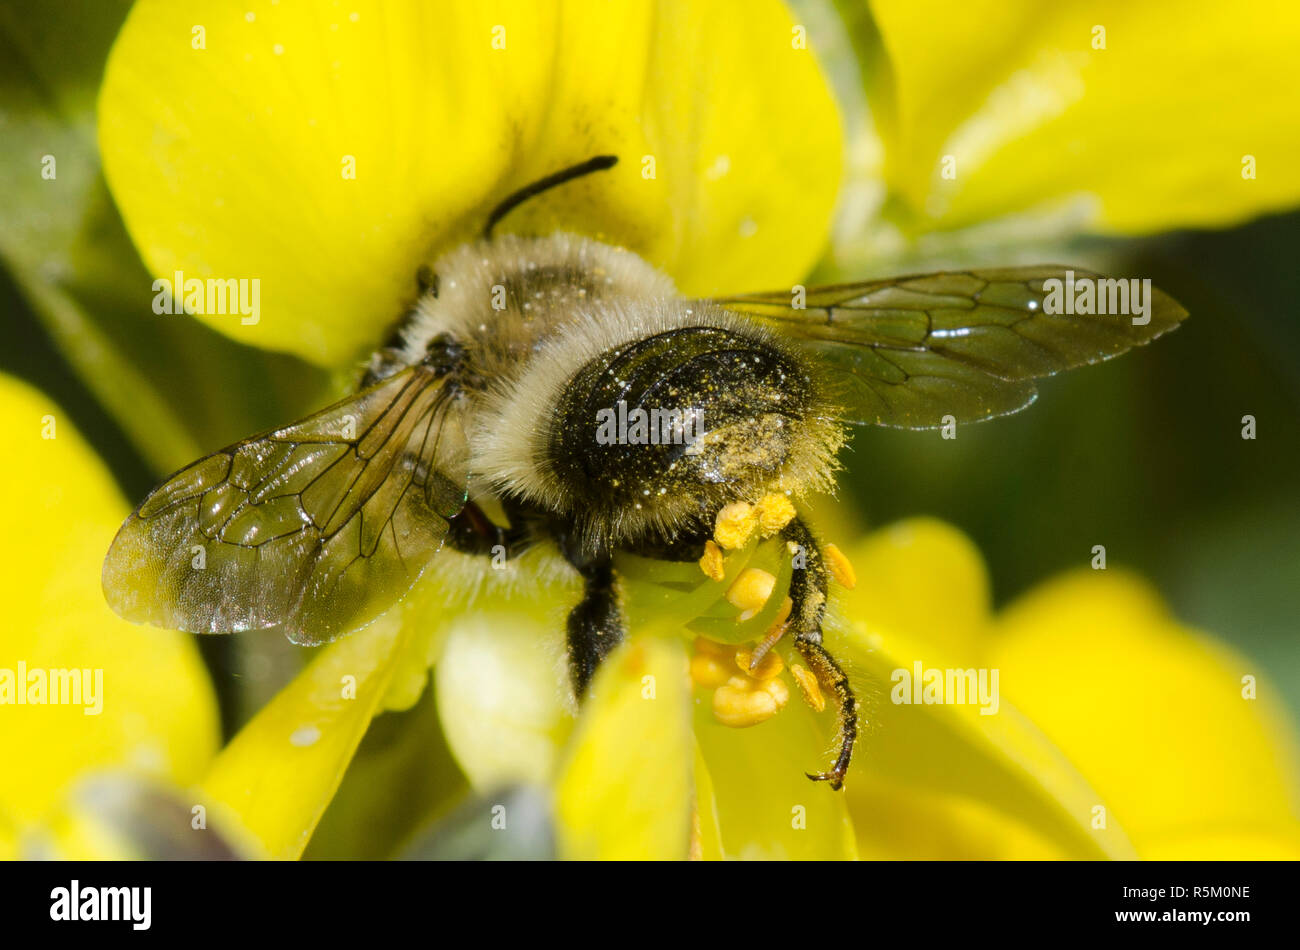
[99, 696]
[329, 153]
[648, 770]
[1110, 730]
[993, 124]
[1146, 738]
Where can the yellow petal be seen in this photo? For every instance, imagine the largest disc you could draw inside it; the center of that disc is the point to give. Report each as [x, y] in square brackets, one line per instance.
[625, 789]
[1000, 760]
[1262, 843]
[235, 161]
[1147, 134]
[276, 777]
[502, 696]
[706, 834]
[156, 714]
[766, 806]
[404, 751]
[72, 834]
[928, 586]
[109, 816]
[1154, 714]
[923, 577]
[906, 823]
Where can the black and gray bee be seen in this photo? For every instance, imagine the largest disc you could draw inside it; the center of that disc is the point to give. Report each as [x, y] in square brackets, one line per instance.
[492, 398]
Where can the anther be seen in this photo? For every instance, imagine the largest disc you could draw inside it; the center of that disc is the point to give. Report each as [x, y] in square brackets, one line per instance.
[741, 702]
[840, 567]
[808, 685]
[764, 669]
[711, 663]
[750, 591]
[711, 563]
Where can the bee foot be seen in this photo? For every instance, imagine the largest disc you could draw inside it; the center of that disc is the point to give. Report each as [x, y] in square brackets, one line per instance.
[835, 777]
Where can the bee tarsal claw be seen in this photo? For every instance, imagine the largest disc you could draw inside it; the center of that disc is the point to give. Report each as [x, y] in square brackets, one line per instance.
[836, 779]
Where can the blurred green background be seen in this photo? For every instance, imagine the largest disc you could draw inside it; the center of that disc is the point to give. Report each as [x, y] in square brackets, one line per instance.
[1143, 454]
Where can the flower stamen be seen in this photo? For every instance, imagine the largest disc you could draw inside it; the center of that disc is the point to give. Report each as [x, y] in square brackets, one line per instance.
[740, 699]
[763, 668]
[743, 701]
[711, 663]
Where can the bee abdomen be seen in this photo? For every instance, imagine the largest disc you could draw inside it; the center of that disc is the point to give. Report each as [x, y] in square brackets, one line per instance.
[686, 418]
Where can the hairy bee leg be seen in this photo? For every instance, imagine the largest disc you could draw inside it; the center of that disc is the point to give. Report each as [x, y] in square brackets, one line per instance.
[808, 596]
[595, 625]
[829, 673]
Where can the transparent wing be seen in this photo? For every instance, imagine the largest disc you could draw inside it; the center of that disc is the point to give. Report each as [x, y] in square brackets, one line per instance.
[315, 528]
[911, 350]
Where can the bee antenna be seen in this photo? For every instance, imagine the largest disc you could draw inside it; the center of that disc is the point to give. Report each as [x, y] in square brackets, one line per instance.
[598, 164]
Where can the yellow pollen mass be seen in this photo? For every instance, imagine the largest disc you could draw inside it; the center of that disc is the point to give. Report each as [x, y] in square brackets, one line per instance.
[774, 513]
[735, 525]
[711, 563]
[840, 567]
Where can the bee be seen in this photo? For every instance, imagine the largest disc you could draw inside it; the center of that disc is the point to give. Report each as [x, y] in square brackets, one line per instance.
[497, 394]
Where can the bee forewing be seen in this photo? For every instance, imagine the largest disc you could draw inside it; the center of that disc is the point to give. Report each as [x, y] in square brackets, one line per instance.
[316, 528]
[916, 349]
